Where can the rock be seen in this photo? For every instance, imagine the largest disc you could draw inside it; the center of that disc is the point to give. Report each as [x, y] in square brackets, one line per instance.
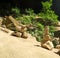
[58, 52]
[31, 27]
[46, 30]
[25, 35]
[8, 23]
[4, 29]
[13, 47]
[58, 46]
[47, 38]
[17, 34]
[46, 35]
[48, 45]
[23, 28]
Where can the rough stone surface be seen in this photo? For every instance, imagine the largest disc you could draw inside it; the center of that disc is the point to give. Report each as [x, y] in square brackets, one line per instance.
[13, 47]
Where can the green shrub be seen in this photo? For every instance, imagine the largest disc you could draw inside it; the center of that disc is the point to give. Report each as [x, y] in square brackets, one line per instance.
[15, 12]
[29, 11]
[52, 28]
[55, 43]
[48, 15]
[38, 27]
[25, 19]
[48, 18]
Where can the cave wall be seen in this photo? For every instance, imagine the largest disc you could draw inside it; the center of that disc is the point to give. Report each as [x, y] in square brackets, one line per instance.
[33, 4]
[56, 7]
[6, 5]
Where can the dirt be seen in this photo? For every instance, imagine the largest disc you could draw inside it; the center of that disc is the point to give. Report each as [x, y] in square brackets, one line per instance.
[13, 47]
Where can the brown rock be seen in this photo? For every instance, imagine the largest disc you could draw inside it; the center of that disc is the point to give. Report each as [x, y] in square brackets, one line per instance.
[25, 35]
[23, 28]
[47, 38]
[13, 47]
[17, 34]
[4, 29]
[46, 30]
[46, 35]
[48, 45]
[58, 46]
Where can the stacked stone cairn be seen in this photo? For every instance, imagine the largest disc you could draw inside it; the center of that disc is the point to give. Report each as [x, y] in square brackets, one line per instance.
[47, 40]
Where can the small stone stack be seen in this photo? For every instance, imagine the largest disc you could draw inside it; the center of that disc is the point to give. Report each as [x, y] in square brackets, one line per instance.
[8, 22]
[46, 42]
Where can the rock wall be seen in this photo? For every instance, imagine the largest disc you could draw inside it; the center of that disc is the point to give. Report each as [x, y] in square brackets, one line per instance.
[56, 7]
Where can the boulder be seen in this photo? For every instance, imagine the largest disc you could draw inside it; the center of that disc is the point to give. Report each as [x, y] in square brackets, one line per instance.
[48, 45]
[17, 34]
[58, 46]
[25, 35]
[13, 47]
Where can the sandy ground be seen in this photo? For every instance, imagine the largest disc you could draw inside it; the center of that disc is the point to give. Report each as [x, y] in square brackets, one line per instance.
[13, 47]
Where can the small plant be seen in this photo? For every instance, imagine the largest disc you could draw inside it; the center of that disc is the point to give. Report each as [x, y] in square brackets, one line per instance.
[30, 12]
[24, 19]
[15, 11]
[50, 18]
